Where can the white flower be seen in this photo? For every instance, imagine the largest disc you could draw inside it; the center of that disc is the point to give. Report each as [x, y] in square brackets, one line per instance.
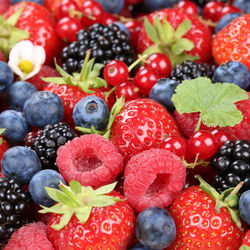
[26, 60]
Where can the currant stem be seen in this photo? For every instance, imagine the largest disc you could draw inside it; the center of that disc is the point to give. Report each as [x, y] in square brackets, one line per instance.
[198, 124]
[135, 63]
[85, 64]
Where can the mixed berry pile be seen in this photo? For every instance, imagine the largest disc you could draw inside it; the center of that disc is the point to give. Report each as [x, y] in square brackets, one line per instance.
[125, 124]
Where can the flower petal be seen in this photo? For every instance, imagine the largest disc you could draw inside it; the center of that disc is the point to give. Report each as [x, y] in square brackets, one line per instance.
[26, 49]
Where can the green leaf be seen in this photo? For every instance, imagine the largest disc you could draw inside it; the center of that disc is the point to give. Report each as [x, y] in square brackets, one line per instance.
[152, 49]
[88, 69]
[182, 29]
[16, 36]
[85, 87]
[57, 209]
[106, 189]
[102, 201]
[96, 70]
[215, 102]
[151, 31]
[64, 220]
[61, 71]
[160, 30]
[12, 20]
[169, 30]
[75, 186]
[182, 45]
[2, 130]
[56, 80]
[83, 213]
[244, 247]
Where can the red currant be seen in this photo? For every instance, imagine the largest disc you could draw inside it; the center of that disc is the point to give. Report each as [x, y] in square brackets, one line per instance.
[227, 10]
[128, 90]
[92, 12]
[115, 72]
[202, 144]
[188, 6]
[176, 145]
[108, 18]
[212, 10]
[145, 79]
[67, 28]
[160, 63]
[65, 7]
[220, 136]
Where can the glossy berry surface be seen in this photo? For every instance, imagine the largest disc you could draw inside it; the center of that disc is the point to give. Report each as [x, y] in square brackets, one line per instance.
[220, 136]
[66, 6]
[244, 206]
[155, 228]
[129, 90]
[188, 6]
[6, 77]
[212, 10]
[114, 6]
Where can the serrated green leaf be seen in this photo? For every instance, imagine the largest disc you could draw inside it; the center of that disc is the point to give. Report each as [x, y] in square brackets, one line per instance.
[75, 186]
[56, 80]
[160, 30]
[182, 45]
[182, 29]
[64, 220]
[83, 213]
[151, 31]
[12, 20]
[106, 189]
[169, 30]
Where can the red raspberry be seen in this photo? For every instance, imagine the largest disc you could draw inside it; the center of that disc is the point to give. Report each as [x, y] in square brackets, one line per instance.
[30, 237]
[4, 5]
[90, 159]
[153, 178]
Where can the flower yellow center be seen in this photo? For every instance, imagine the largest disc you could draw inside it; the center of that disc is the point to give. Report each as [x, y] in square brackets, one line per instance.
[26, 66]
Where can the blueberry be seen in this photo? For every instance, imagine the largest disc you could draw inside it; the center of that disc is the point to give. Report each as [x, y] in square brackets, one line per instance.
[244, 206]
[152, 5]
[244, 5]
[155, 228]
[41, 2]
[163, 91]
[20, 163]
[123, 28]
[139, 246]
[112, 6]
[15, 124]
[91, 110]
[43, 108]
[6, 76]
[233, 72]
[44, 178]
[17, 93]
[225, 20]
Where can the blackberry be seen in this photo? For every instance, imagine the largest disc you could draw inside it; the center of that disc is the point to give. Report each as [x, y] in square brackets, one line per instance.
[106, 43]
[14, 202]
[232, 162]
[49, 140]
[191, 70]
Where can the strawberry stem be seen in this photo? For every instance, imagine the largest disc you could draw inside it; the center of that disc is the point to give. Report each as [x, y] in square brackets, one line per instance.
[84, 65]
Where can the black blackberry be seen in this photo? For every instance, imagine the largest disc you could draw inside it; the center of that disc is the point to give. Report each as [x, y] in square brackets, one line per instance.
[14, 204]
[190, 70]
[232, 162]
[49, 140]
[106, 43]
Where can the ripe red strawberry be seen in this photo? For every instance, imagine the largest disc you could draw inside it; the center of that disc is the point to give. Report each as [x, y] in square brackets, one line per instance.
[40, 24]
[153, 178]
[246, 241]
[141, 124]
[200, 226]
[4, 5]
[232, 43]
[4, 146]
[199, 33]
[30, 236]
[97, 219]
[188, 122]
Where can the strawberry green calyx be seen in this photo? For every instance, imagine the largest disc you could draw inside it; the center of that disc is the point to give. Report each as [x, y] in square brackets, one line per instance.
[228, 199]
[88, 77]
[214, 101]
[113, 113]
[1, 132]
[9, 34]
[244, 247]
[169, 41]
[78, 200]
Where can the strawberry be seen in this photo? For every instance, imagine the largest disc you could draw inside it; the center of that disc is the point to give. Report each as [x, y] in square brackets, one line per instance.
[92, 219]
[141, 124]
[232, 43]
[4, 5]
[192, 37]
[40, 25]
[246, 241]
[204, 219]
[187, 122]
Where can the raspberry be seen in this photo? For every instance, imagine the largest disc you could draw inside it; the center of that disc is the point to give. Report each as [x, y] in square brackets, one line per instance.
[153, 178]
[46, 71]
[4, 5]
[30, 237]
[90, 159]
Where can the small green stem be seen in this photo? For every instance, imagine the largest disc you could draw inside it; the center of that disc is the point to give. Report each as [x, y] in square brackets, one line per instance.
[135, 63]
[198, 124]
[84, 65]
[107, 93]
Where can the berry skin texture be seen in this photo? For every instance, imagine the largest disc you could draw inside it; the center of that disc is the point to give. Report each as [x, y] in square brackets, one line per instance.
[129, 90]
[233, 72]
[6, 76]
[155, 228]
[110, 227]
[29, 237]
[91, 111]
[38, 182]
[153, 178]
[244, 206]
[246, 241]
[141, 125]
[15, 124]
[4, 5]
[232, 42]
[43, 108]
[90, 159]
[20, 163]
[200, 226]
